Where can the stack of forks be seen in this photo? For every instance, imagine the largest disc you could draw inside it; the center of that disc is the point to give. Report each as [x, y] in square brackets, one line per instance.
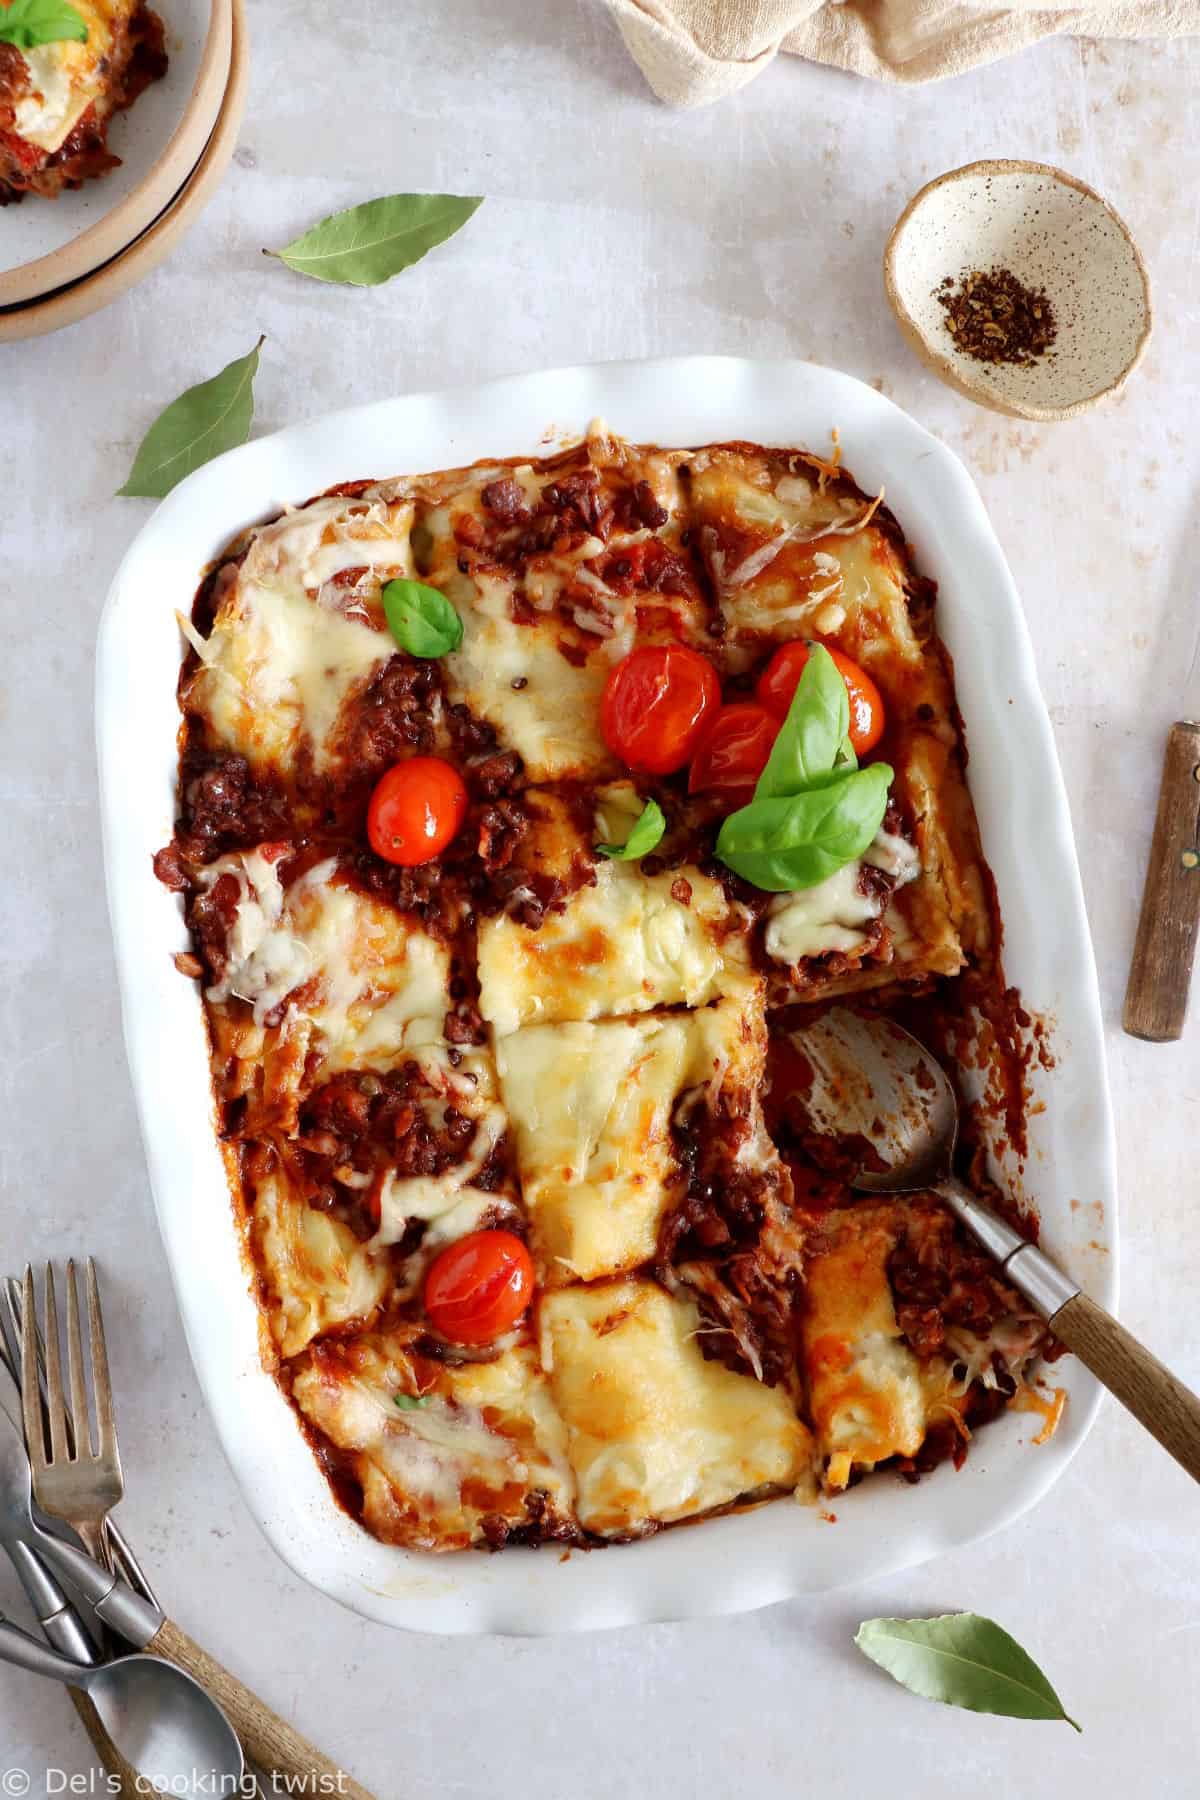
[75, 1486]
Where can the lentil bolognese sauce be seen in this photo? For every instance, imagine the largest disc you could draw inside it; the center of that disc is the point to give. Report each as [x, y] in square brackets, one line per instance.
[522, 816]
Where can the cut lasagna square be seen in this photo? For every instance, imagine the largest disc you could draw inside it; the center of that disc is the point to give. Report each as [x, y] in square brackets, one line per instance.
[508, 1097]
[594, 1110]
[908, 1330]
[554, 571]
[655, 1432]
[297, 628]
[310, 976]
[444, 1457]
[627, 943]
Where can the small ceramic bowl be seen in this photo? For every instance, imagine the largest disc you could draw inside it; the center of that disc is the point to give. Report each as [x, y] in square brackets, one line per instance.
[69, 304]
[1052, 232]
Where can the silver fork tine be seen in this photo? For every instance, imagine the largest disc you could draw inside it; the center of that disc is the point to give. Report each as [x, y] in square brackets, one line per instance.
[11, 1312]
[80, 1429]
[55, 1401]
[31, 1401]
[106, 1424]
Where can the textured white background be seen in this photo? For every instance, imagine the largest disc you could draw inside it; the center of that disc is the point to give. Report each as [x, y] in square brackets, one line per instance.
[615, 228]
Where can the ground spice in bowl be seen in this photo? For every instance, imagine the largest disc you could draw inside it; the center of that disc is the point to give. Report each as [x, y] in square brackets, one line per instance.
[994, 318]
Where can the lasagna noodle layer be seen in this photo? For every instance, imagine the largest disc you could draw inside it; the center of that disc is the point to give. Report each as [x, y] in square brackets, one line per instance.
[592, 1108]
[655, 1432]
[480, 1453]
[869, 1397]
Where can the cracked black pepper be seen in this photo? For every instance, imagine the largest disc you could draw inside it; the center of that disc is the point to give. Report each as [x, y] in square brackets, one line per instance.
[994, 318]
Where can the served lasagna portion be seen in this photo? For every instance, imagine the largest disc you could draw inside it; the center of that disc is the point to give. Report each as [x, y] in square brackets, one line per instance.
[526, 812]
[58, 97]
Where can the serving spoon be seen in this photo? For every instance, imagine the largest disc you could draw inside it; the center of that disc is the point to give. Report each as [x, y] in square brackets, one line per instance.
[873, 1085]
[161, 1720]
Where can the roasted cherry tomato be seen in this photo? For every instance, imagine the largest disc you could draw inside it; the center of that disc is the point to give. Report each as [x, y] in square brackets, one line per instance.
[779, 680]
[656, 704]
[733, 751]
[479, 1286]
[415, 811]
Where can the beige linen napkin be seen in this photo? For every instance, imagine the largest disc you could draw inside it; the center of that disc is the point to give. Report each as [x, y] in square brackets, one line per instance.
[694, 51]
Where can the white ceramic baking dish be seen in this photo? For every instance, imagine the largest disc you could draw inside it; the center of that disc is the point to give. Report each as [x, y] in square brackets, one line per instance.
[721, 1565]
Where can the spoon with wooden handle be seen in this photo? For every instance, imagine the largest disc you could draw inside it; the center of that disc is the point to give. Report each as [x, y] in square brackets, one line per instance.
[873, 1080]
[1160, 974]
[268, 1740]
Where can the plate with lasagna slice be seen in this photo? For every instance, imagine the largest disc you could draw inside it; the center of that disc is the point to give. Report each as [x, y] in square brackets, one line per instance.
[510, 816]
[105, 109]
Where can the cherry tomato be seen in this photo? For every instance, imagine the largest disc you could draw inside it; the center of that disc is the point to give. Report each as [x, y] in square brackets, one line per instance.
[479, 1286]
[779, 680]
[733, 751]
[415, 811]
[656, 704]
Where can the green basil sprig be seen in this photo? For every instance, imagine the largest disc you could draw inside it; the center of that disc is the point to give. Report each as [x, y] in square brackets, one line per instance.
[814, 809]
[962, 1659]
[647, 831]
[816, 728]
[370, 243]
[411, 1402]
[30, 23]
[214, 416]
[421, 619]
[797, 840]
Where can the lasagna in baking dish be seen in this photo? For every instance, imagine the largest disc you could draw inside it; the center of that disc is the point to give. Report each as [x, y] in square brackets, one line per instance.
[525, 811]
[58, 96]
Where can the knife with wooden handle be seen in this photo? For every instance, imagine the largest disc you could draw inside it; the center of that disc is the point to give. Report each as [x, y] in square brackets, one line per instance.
[1160, 974]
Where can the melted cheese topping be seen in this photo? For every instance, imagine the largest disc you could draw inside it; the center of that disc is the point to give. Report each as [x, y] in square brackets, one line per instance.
[656, 1432]
[623, 946]
[370, 984]
[829, 916]
[485, 1438]
[869, 1397]
[317, 1273]
[288, 648]
[67, 77]
[591, 1107]
[553, 717]
[447, 1202]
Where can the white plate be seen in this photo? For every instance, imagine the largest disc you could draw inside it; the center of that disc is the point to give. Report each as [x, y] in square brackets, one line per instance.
[44, 244]
[722, 1565]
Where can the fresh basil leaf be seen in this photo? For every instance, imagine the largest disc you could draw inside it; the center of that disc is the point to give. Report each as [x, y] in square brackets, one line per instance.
[204, 421]
[370, 243]
[647, 831]
[816, 726]
[846, 758]
[29, 23]
[796, 840]
[411, 1402]
[962, 1660]
[421, 619]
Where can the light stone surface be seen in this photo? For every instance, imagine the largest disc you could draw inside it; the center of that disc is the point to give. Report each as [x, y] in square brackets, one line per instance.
[614, 228]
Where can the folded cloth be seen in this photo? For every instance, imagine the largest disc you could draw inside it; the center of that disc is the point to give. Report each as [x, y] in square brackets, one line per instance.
[695, 51]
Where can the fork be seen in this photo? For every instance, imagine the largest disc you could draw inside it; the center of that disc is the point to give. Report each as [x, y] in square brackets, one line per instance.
[60, 1622]
[73, 1482]
[117, 1552]
[82, 1485]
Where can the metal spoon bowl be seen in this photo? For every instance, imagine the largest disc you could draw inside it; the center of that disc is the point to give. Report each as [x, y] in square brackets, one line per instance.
[162, 1721]
[886, 1101]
